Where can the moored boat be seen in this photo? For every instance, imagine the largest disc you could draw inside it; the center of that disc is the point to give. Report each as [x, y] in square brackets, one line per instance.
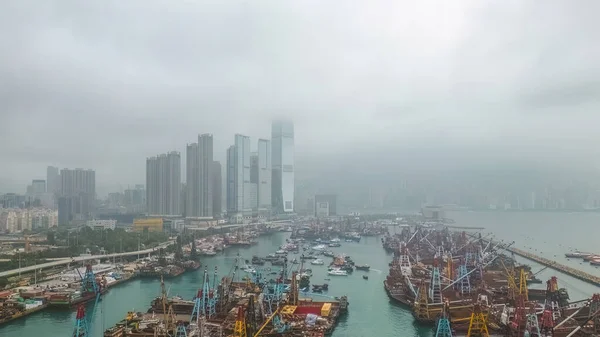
[577, 254]
[337, 272]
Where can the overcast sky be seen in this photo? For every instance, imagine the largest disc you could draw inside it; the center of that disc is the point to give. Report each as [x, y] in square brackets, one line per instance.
[105, 84]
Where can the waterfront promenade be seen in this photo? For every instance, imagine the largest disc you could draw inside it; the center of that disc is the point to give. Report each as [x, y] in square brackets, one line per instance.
[82, 259]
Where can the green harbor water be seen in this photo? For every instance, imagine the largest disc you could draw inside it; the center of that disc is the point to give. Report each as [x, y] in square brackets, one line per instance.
[370, 311]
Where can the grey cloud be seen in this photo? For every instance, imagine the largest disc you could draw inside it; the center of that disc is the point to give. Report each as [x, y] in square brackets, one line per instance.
[104, 84]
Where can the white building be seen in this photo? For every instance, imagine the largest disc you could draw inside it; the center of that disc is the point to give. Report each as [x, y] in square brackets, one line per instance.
[102, 224]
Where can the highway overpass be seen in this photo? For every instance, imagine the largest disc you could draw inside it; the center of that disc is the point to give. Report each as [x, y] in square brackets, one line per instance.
[80, 259]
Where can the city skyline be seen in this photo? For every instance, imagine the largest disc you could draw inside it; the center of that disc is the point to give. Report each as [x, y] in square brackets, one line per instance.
[468, 91]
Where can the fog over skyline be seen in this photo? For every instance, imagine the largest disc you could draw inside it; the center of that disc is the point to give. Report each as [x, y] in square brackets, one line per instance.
[400, 84]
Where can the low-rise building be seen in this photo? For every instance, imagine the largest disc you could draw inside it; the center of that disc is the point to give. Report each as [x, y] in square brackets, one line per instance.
[102, 224]
[149, 224]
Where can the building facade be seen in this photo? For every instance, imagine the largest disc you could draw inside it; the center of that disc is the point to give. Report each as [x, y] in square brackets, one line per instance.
[199, 189]
[163, 184]
[53, 180]
[283, 180]
[325, 204]
[217, 189]
[205, 158]
[241, 195]
[230, 192]
[148, 224]
[77, 195]
[192, 184]
[102, 224]
[264, 168]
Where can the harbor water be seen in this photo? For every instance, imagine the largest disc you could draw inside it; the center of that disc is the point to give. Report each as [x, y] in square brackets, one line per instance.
[370, 311]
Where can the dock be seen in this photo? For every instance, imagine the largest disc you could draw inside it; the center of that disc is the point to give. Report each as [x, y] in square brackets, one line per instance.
[578, 274]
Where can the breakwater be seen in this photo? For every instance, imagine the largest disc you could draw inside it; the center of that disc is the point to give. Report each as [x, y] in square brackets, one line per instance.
[578, 274]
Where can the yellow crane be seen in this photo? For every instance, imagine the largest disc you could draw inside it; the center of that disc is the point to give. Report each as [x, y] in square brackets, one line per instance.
[266, 322]
[523, 285]
[239, 330]
[510, 277]
[478, 323]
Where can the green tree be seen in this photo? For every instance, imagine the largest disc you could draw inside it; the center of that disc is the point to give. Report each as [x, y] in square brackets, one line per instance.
[50, 237]
[178, 248]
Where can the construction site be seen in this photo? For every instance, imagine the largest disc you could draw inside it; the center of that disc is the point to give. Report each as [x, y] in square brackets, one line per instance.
[465, 285]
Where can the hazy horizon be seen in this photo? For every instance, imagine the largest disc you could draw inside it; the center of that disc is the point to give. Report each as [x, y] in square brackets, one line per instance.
[378, 88]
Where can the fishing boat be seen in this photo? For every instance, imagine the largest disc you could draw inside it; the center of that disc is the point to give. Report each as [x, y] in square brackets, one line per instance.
[317, 262]
[365, 267]
[337, 272]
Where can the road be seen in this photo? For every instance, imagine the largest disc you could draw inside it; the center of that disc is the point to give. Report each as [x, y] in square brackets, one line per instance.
[80, 259]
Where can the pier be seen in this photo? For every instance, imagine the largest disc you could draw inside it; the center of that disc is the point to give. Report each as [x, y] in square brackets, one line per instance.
[578, 274]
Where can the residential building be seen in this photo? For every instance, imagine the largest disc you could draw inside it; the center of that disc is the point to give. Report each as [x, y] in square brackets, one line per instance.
[163, 184]
[18, 220]
[192, 183]
[53, 180]
[217, 189]
[134, 199]
[12, 200]
[77, 195]
[230, 193]
[205, 158]
[283, 185]
[199, 189]
[38, 187]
